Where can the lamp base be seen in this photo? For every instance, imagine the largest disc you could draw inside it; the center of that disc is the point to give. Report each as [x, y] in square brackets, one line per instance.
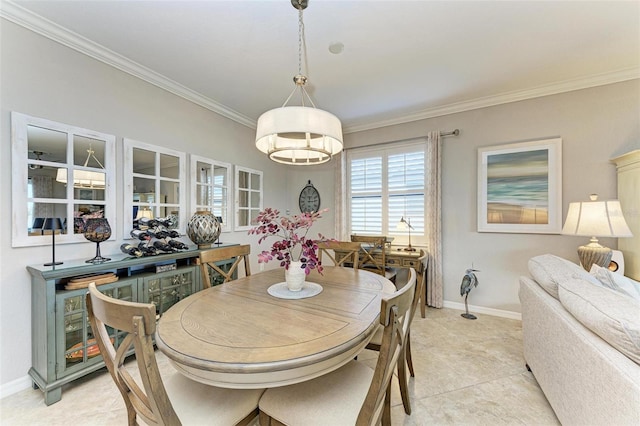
[594, 253]
[53, 263]
[409, 249]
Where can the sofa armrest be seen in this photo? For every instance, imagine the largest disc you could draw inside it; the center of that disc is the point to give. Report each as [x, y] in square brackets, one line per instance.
[585, 380]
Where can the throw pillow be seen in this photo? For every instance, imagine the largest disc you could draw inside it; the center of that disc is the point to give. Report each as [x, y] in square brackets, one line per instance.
[616, 282]
[548, 270]
[609, 314]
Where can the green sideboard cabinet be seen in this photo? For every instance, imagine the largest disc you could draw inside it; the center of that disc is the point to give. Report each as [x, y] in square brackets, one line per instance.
[63, 345]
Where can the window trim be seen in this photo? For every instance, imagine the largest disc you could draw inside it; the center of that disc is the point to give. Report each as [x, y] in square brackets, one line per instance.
[193, 170]
[385, 150]
[238, 169]
[127, 218]
[20, 160]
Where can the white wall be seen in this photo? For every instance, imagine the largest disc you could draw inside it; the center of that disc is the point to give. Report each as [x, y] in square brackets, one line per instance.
[595, 125]
[45, 79]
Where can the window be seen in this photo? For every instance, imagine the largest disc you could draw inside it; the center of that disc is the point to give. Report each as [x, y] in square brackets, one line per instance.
[154, 183]
[248, 196]
[210, 182]
[386, 184]
[59, 171]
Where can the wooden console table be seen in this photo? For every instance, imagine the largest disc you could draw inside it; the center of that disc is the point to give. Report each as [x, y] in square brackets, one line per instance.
[396, 257]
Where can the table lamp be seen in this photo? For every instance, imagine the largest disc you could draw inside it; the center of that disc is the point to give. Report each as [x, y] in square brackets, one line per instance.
[595, 219]
[38, 223]
[406, 224]
[52, 224]
[144, 212]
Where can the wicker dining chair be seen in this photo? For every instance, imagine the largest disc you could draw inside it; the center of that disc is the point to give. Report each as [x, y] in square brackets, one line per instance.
[353, 394]
[167, 399]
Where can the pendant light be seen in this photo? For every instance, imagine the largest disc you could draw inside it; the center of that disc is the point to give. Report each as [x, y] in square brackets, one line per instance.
[84, 178]
[299, 135]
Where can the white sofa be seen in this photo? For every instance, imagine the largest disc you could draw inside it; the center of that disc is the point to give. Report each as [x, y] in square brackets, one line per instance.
[586, 380]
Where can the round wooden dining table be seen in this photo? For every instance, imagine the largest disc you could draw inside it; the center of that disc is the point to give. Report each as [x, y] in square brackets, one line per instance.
[237, 335]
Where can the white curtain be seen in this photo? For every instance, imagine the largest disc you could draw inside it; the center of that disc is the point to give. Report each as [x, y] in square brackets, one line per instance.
[433, 219]
[340, 202]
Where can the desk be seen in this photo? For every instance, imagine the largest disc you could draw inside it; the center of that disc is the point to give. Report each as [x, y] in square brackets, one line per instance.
[236, 335]
[396, 257]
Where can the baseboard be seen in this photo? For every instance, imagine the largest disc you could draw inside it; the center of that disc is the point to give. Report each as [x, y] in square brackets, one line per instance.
[482, 310]
[15, 386]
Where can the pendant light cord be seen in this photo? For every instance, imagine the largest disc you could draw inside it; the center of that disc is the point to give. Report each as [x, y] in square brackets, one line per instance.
[300, 39]
[300, 79]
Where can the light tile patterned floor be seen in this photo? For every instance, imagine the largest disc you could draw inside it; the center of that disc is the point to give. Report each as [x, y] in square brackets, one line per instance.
[467, 373]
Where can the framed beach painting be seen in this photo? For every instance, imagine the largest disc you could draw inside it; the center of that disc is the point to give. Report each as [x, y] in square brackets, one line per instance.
[520, 187]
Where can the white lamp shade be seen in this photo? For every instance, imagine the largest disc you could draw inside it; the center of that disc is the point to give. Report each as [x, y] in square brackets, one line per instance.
[82, 178]
[596, 219]
[144, 212]
[299, 135]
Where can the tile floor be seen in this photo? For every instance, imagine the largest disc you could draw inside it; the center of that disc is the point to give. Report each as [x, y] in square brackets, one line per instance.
[467, 373]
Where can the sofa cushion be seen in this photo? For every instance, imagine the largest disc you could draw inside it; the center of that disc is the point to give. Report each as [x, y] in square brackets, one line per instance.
[616, 282]
[609, 314]
[548, 270]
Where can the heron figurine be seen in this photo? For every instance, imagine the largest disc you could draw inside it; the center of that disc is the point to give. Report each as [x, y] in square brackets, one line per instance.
[468, 282]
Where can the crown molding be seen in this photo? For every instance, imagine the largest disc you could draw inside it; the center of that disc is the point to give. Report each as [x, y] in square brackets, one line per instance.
[515, 96]
[57, 33]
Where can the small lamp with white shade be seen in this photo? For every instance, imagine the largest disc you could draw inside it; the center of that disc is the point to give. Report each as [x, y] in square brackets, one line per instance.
[595, 219]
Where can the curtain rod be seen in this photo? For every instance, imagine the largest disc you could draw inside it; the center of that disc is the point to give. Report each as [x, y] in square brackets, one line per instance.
[454, 132]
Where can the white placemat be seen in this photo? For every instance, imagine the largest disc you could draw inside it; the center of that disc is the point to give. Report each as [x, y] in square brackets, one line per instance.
[281, 291]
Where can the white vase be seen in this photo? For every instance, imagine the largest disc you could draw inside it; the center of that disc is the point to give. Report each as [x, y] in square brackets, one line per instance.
[295, 276]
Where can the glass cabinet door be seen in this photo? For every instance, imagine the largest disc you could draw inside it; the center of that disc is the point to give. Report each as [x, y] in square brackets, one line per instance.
[77, 346]
[166, 289]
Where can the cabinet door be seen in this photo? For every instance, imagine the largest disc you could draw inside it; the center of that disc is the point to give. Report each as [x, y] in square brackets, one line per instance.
[167, 288]
[76, 347]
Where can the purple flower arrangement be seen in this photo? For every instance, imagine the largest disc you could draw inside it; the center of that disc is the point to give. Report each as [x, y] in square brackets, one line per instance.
[293, 244]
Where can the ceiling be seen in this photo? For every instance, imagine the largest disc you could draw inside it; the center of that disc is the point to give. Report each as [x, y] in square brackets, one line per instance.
[402, 60]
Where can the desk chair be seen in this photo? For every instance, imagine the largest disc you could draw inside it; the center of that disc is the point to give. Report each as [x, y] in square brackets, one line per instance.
[167, 400]
[345, 253]
[374, 255]
[208, 259]
[376, 341]
[351, 395]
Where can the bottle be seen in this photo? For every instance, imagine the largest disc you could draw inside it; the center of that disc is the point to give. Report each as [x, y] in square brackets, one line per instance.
[178, 245]
[161, 245]
[173, 233]
[167, 222]
[141, 235]
[158, 232]
[145, 221]
[147, 250]
[131, 250]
